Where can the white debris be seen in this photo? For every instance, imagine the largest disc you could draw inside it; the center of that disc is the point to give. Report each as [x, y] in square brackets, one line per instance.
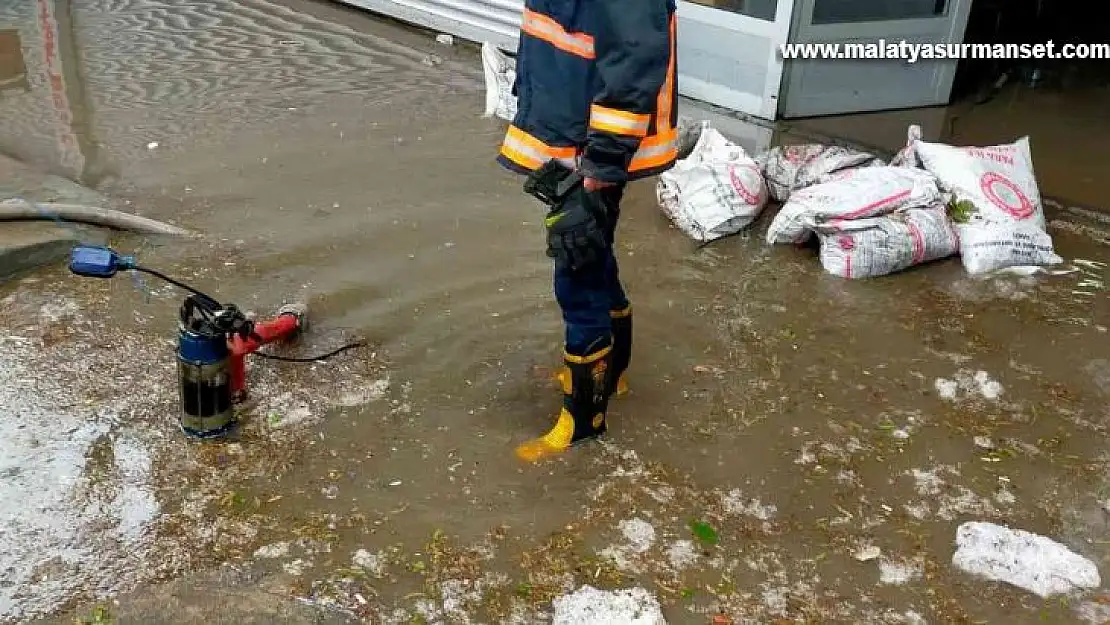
[928, 482]
[364, 394]
[735, 503]
[639, 533]
[865, 554]
[590, 606]
[1034, 563]
[977, 384]
[988, 388]
[296, 567]
[152, 145]
[947, 389]
[1093, 612]
[275, 550]
[897, 573]
[374, 563]
[456, 596]
[445, 39]
[682, 554]
[983, 442]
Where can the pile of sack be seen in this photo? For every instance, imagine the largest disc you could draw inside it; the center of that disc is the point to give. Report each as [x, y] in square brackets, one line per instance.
[871, 218]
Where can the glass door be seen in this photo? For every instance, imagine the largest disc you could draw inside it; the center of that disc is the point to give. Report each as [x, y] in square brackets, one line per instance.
[833, 86]
[728, 52]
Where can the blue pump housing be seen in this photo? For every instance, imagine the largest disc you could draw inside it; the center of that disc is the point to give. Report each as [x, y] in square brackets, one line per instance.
[198, 349]
[93, 261]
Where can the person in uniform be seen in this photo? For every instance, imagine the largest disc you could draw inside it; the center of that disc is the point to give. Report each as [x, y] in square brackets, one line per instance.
[596, 91]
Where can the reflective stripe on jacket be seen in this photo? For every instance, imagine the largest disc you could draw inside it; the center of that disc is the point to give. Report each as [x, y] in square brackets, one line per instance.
[596, 87]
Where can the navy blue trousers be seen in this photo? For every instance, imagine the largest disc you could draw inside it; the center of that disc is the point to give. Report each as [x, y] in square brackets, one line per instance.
[586, 296]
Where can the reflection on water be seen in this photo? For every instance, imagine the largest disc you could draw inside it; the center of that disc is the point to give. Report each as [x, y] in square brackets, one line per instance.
[101, 74]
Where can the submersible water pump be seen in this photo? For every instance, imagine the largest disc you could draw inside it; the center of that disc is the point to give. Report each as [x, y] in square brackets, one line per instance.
[212, 344]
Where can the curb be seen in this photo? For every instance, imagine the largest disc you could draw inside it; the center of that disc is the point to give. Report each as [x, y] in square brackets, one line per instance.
[28, 246]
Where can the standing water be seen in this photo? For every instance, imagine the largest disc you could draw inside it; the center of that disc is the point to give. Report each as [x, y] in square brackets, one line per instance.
[795, 446]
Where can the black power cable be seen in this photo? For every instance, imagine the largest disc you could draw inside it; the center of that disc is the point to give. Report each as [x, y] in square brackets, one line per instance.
[248, 329]
[334, 352]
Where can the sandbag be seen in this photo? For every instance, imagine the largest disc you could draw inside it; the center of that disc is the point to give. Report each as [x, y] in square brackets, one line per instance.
[998, 180]
[716, 191]
[986, 247]
[868, 248]
[995, 203]
[500, 73]
[790, 168]
[852, 194]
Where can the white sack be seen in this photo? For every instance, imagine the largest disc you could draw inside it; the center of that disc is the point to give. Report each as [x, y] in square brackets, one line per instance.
[500, 72]
[793, 167]
[998, 180]
[997, 204]
[1034, 563]
[867, 248]
[852, 194]
[717, 191]
[986, 247]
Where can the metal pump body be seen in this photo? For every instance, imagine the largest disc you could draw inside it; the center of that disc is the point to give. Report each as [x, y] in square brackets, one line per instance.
[204, 377]
[213, 342]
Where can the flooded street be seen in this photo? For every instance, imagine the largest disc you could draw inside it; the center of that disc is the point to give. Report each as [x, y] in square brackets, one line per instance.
[796, 447]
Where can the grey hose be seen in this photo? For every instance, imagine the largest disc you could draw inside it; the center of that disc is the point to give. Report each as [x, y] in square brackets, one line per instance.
[22, 210]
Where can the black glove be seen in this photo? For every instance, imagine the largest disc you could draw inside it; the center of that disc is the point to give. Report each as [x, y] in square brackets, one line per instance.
[576, 230]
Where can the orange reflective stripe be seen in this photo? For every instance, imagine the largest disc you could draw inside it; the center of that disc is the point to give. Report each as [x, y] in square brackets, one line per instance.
[664, 104]
[529, 152]
[543, 27]
[619, 122]
[656, 151]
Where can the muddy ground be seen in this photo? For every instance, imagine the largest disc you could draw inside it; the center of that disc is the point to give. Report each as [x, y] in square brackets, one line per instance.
[796, 447]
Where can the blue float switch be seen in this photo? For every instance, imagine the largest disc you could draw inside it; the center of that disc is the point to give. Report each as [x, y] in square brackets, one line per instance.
[98, 262]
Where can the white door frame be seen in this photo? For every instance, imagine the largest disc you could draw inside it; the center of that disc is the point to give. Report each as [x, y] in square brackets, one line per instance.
[803, 30]
[777, 32]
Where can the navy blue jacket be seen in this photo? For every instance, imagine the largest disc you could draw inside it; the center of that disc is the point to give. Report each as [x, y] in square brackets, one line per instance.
[595, 88]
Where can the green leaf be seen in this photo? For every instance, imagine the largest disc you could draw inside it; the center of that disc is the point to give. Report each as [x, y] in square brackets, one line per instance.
[704, 532]
[961, 211]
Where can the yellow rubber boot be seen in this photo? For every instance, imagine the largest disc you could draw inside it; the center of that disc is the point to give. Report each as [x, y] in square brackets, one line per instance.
[563, 379]
[622, 353]
[583, 413]
[556, 441]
